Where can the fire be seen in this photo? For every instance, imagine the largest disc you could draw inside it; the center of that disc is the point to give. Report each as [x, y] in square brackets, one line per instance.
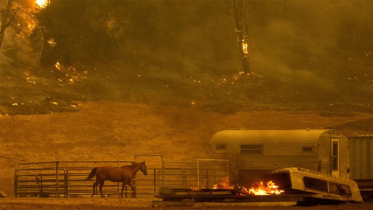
[224, 184]
[51, 42]
[245, 47]
[42, 3]
[31, 26]
[260, 189]
[58, 65]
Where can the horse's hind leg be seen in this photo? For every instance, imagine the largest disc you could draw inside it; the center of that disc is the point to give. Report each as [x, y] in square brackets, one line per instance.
[121, 194]
[94, 188]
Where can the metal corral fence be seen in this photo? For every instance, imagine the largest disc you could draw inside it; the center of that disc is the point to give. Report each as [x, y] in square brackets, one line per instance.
[196, 174]
[68, 178]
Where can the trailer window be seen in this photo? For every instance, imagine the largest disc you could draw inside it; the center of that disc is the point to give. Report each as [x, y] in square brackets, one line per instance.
[220, 147]
[307, 149]
[315, 184]
[335, 155]
[252, 149]
[325, 186]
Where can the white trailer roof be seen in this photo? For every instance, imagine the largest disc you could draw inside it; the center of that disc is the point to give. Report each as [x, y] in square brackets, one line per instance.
[307, 135]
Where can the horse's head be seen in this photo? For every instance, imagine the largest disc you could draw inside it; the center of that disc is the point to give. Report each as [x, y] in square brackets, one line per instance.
[143, 168]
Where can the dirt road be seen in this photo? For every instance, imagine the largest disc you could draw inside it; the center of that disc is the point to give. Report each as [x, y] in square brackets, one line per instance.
[148, 203]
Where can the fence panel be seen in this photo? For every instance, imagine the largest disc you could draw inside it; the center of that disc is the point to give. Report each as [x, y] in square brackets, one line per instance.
[60, 179]
[196, 174]
[68, 178]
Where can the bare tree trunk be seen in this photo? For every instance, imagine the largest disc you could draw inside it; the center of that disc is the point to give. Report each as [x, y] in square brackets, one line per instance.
[4, 23]
[240, 8]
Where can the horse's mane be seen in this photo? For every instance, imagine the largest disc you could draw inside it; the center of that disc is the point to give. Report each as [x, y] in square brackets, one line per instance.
[131, 166]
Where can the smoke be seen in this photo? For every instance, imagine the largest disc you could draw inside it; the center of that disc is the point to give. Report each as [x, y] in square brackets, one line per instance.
[311, 44]
[300, 51]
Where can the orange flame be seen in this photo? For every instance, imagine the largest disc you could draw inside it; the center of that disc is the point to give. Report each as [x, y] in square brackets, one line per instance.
[58, 65]
[42, 3]
[195, 189]
[245, 47]
[260, 189]
[257, 189]
[223, 185]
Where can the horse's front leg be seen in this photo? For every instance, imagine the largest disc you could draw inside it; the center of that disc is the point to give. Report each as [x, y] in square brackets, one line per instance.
[132, 187]
[101, 184]
[121, 194]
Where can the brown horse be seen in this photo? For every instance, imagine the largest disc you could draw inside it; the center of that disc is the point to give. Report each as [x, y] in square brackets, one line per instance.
[122, 174]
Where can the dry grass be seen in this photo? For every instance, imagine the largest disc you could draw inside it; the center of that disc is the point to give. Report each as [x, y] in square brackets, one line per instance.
[118, 131]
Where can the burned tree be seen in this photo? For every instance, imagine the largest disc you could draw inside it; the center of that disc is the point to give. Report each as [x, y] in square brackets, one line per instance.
[4, 22]
[26, 15]
[240, 12]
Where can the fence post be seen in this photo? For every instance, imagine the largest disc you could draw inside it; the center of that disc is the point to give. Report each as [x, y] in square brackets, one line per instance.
[16, 183]
[184, 177]
[66, 171]
[163, 172]
[155, 185]
[57, 180]
[41, 185]
[214, 182]
[118, 190]
[134, 182]
[207, 178]
[198, 184]
[227, 168]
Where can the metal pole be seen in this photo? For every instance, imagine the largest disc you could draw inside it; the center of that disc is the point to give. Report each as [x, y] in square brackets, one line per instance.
[163, 172]
[57, 181]
[118, 190]
[41, 184]
[207, 178]
[184, 177]
[198, 174]
[16, 182]
[66, 171]
[155, 180]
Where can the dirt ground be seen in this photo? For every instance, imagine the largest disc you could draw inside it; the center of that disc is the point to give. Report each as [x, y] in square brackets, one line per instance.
[149, 203]
[117, 131]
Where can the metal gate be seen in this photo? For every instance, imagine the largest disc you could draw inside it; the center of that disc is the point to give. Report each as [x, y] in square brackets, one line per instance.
[68, 178]
[203, 173]
[60, 178]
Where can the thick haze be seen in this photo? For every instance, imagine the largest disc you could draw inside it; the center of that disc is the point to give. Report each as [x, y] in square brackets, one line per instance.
[186, 52]
[314, 45]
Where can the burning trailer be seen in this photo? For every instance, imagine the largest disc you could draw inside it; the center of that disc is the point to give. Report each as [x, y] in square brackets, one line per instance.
[292, 185]
[254, 153]
[317, 185]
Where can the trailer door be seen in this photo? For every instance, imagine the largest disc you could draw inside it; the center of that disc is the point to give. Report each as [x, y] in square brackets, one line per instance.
[334, 159]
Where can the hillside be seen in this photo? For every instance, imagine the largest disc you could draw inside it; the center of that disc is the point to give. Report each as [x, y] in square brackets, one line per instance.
[117, 131]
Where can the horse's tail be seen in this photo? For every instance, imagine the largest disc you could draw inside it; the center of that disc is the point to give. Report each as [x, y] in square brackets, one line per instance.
[92, 174]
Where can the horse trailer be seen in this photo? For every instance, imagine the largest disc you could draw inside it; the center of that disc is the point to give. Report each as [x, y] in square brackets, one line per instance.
[361, 162]
[361, 157]
[254, 153]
